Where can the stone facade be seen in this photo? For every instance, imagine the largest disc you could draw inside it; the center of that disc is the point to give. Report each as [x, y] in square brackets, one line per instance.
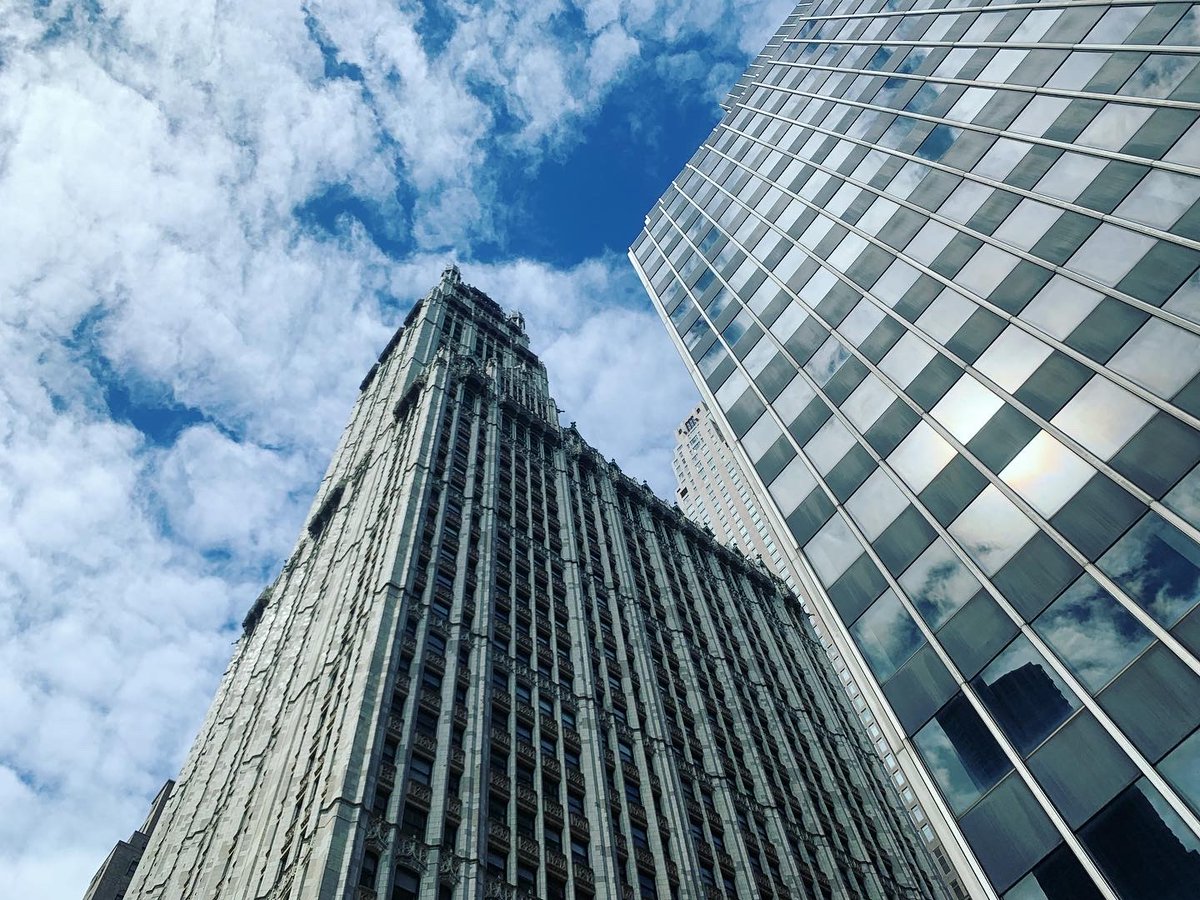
[495, 666]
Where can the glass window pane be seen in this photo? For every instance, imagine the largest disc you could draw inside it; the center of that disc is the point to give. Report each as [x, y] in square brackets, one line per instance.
[961, 754]
[832, 549]
[1012, 358]
[1025, 694]
[992, 529]
[1060, 306]
[1161, 357]
[876, 504]
[1103, 416]
[1009, 831]
[966, 408]
[1046, 474]
[1143, 847]
[938, 583]
[887, 635]
[921, 456]
[1091, 632]
[1158, 567]
[1182, 769]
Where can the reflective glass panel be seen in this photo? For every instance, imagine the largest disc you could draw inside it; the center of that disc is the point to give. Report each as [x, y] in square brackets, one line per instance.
[921, 456]
[1046, 474]
[1012, 357]
[938, 583]
[1103, 416]
[1091, 632]
[966, 408]
[1182, 769]
[1158, 566]
[961, 754]
[887, 635]
[1143, 847]
[992, 529]
[1025, 694]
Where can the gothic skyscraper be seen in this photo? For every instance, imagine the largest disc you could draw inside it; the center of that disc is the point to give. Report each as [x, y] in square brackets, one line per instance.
[495, 666]
[935, 272]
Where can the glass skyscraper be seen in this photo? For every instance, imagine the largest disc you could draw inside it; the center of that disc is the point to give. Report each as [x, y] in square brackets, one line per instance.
[936, 272]
[495, 666]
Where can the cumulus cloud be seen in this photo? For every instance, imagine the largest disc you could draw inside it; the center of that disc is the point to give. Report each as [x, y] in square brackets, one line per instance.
[183, 338]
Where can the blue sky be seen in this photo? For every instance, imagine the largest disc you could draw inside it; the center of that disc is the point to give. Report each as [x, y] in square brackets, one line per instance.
[214, 216]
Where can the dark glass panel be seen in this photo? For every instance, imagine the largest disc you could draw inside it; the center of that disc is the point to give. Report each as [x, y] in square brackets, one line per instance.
[919, 688]
[1158, 566]
[1009, 832]
[1143, 847]
[1078, 791]
[1025, 695]
[1155, 702]
[960, 753]
[857, 588]
[1058, 877]
[1160, 454]
[976, 633]
[1097, 515]
[887, 635]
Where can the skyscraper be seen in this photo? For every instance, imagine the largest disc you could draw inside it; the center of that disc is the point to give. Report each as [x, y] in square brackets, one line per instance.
[935, 271]
[712, 492]
[496, 666]
[715, 492]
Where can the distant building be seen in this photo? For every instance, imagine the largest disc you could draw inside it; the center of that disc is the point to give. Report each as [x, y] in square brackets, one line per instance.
[112, 880]
[495, 666]
[936, 273]
[715, 492]
[712, 492]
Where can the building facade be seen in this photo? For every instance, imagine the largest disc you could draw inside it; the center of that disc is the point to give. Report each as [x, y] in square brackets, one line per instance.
[111, 881]
[714, 492]
[936, 273]
[495, 666]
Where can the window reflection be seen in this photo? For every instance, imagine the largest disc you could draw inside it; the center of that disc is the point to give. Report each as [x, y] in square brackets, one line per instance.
[681, 311]
[1143, 847]
[992, 529]
[833, 549]
[966, 408]
[1182, 769]
[938, 584]
[827, 360]
[1185, 497]
[698, 332]
[1046, 474]
[1159, 75]
[1091, 632]
[1012, 358]
[736, 328]
[921, 456]
[712, 358]
[1161, 357]
[887, 635]
[961, 754]
[1026, 695]
[1158, 567]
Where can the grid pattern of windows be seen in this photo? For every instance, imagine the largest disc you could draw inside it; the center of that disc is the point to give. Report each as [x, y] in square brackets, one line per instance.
[937, 268]
[715, 493]
[498, 667]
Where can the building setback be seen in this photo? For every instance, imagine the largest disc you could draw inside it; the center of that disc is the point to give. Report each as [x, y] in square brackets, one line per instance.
[935, 272]
[715, 492]
[495, 666]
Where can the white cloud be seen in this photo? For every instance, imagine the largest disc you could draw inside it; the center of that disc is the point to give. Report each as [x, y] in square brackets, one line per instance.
[153, 157]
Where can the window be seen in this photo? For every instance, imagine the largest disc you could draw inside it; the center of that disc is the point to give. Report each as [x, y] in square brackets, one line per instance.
[421, 770]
